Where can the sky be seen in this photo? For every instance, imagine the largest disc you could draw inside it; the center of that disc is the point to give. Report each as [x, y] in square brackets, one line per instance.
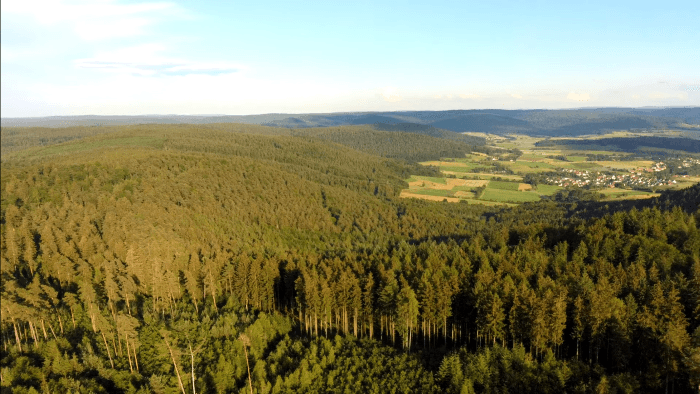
[113, 57]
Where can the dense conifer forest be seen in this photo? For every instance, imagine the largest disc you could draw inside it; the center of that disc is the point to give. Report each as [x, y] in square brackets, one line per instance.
[240, 258]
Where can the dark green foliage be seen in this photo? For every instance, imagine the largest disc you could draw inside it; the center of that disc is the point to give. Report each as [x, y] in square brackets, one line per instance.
[395, 144]
[629, 144]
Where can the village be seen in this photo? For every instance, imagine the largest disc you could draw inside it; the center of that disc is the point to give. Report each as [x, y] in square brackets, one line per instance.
[637, 178]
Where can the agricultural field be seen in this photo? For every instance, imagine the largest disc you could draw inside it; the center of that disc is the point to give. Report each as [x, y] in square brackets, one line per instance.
[473, 191]
[503, 185]
[626, 165]
[576, 158]
[426, 179]
[525, 167]
[500, 177]
[612, 194]
[548, 190]
[500, 195]
[484, 175]
[455, 166]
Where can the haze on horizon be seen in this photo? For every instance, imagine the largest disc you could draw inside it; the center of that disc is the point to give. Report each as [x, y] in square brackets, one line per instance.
[114, 57]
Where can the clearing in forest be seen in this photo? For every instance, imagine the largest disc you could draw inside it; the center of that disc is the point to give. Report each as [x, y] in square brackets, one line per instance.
[407, 194]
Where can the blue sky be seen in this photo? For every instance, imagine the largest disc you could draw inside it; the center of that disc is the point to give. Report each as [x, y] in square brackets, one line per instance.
[111, 57]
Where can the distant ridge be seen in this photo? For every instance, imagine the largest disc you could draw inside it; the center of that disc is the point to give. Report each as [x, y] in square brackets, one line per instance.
[532, 122]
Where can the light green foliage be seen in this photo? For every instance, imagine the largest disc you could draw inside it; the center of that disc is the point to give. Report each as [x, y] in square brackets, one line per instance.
[348, 365]
[501, 370]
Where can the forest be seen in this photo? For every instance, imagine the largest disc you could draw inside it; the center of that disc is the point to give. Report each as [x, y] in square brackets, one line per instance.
[632, 144]
[226, 258]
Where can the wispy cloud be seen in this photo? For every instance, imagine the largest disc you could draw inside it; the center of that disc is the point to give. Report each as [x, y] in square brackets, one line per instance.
[145, 60]
[389, 94]
[517, 96]
[578, 96]
[95, 20]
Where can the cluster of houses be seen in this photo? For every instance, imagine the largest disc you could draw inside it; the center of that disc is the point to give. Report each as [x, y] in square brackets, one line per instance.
[689, 162]
[582, 178]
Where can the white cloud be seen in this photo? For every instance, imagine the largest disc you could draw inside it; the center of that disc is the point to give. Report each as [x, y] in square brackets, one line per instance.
[469, 96]
[668, 95]
[389, 94]
[578, 96]
[94, 20]
[236, 93]
[517, 96]
[145, 60]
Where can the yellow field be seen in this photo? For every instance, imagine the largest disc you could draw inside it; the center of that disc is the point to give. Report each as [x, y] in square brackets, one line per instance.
[406, 194]
[692, 179]
[628, 165]
[489, 176]
[457, 174]
[626, 194]
[464, 194]
[490, 203]
[445, 164]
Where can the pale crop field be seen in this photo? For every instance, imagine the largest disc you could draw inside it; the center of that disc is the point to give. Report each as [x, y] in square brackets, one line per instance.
[548, 190]
[626, 164]
[499, 195]
[625, 194]
[405, 194]
[526, 167]
[490, 176]
[503, 185]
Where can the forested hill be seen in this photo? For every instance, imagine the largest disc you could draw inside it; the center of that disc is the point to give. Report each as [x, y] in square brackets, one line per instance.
[179, 258]
[398, 144]
[403, 142]
[539, 122]
[634, 144]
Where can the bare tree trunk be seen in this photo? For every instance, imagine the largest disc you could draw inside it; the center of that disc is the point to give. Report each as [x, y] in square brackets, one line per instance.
[60, 322]
[128, 354]
[19, 344]
[107, 347]
[213, 295]
[72, 316]
[246, 341]
[31, 330]
[119, 342]
[52, 331]
[355, 323]
[192, 366]
[43, 329]
[114, 346]
[177, 371]
[136, 361]
[128, 306]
